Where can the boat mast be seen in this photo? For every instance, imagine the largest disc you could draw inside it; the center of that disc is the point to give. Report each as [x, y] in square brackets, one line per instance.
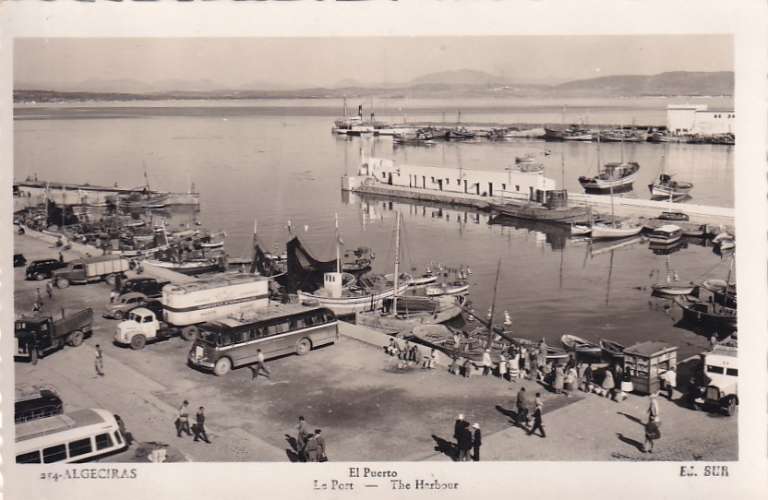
[338, 244]
[493, 307]
[397, 262]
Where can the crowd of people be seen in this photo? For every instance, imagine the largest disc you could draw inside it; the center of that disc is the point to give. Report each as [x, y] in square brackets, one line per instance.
[409, 354]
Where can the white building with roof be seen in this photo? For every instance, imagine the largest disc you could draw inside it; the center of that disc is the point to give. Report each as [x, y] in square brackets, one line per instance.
[511, 182]
[699, 119]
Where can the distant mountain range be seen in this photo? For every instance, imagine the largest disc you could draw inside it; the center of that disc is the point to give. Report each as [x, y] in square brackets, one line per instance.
[457, 83]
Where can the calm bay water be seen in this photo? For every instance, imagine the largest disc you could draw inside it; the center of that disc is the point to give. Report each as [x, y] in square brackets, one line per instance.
[277, 161]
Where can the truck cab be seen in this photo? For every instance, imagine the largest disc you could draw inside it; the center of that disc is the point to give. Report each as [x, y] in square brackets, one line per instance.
[140, 326]
[38, 335]
[720, 368]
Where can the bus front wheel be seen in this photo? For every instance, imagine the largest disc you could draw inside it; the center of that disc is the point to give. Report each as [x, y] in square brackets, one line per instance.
[303, 346]
[189, 333]
[222, 367]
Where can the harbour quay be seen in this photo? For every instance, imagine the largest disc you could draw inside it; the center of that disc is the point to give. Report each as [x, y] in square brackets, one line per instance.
[368, 409]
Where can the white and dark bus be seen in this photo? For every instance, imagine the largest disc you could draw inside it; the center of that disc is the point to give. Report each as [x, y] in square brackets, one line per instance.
[79, 436]
[277, 329]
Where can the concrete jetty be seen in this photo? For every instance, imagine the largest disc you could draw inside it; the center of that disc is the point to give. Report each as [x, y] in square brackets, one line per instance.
[623, 207]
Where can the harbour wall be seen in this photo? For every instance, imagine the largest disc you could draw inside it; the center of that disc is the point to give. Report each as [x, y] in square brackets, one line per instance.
[623, 207]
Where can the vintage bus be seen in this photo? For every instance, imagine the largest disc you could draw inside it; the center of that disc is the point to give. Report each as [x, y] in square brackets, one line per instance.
[79, 436]
[277, 329]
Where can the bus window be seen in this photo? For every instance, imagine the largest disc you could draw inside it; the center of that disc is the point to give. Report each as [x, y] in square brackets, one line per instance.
[715, 369]
[732, 371]
[283, 326]
[80, 447]
[225, 339]
[33, 457]
[54, 454]
[103, 441]
[271, 330]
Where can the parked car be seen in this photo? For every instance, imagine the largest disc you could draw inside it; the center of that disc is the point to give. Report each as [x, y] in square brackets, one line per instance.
[19, 260]
[43, 269]
[148, 286]
[153, 305]
[124, 303]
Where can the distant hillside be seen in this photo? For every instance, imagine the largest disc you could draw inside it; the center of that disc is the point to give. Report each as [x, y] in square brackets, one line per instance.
[672, 83]
[457, 83]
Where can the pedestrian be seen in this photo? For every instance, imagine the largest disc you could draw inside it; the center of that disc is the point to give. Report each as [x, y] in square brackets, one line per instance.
[36, 306]
[559, 381]
[570, 381]
[391, 349]
[457, 342]
[99, 362]
[477, 440]
[467, 368]
[113, 295]
[182, 419]
[652, 433]
[588, 378]
[608, 383]
[312, 448]
[260, 366]
[670, 382]
[522, 407]
[199, 427]
[301, 439]
[434, 359]
[321, 450]
[502, 367]
[653, 407]
[61, 258]
[538, 424]
[426, 358]
[464, 442]
[487, 363]
[457, 426]
[455, 367]
[514, 366]
[49, 289]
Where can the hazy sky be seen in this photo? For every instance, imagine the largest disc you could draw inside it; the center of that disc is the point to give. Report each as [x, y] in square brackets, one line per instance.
[307, 62]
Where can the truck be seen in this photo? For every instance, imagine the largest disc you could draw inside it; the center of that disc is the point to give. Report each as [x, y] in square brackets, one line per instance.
[186, 306]
[39, 335]
[720, 370]
[91, 269]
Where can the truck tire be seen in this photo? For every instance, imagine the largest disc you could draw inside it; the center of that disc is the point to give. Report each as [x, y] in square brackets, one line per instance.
[189, 333]
[111, 279]
[75, 338]
[138, 342]
[222, 367]
[303, 346]
[731, 405]
[62, 283]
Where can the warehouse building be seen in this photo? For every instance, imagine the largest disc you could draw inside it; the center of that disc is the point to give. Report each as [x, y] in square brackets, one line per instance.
[699, 119]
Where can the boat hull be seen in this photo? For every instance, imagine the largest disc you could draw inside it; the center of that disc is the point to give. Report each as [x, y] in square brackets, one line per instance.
[600, 232]
[571, 215]
[347, 306]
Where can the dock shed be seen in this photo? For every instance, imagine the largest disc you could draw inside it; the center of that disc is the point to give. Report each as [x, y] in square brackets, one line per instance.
[646, 361]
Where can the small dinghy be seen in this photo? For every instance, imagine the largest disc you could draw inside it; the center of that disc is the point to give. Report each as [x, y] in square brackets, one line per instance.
[579, 230]
[612, 349]
[580, 345]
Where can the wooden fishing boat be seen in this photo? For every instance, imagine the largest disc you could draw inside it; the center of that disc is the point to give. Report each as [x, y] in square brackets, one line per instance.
[580, 345]
[714, 316]
[454, 288]
[612, 349]
[425, 279]
[188, 267]
[665, 187]
[603, 231]
[212, 244]
[673, 288]
[665, 235]
[411, 311]
[613, 176]
[579, 230]
[674, 216]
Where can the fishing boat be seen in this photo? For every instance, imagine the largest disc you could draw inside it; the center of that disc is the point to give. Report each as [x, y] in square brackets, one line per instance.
[357, 259]
[212, 244]
[665, 235]
[187, 267]
[579, 345]
[425, 279]
[453, 288]
[674, 216]
[724, 292]
[671, 286]
[665, 187]
[554, 209]
[402, 315]
[616, 230]
[461, 133]
[612, 350]
[580, 230]
[367, 294]
[616, 176]
[714, 316]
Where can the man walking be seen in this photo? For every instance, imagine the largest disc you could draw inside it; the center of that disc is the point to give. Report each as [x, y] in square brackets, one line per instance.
[99, 362]
[182, 419]
[537, 422]
[49, 289]
[522, 408]
[487, 363]
[321, 453]
[464, 442]
[200, 426]
[260, 366]
[302, 434]
[670, 381]
[477, 440]
[458, 425]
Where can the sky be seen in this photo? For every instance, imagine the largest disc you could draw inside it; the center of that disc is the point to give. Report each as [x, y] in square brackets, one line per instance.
[217, 63]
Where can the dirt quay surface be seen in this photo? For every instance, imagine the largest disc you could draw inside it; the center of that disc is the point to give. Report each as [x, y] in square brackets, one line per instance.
[368, 409]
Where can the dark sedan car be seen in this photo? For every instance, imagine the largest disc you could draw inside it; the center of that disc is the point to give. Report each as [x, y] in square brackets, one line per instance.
[148, 286]
[43, 269]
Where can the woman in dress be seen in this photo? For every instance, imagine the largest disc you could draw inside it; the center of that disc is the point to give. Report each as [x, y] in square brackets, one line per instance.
[558, 383]
[608, 383]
